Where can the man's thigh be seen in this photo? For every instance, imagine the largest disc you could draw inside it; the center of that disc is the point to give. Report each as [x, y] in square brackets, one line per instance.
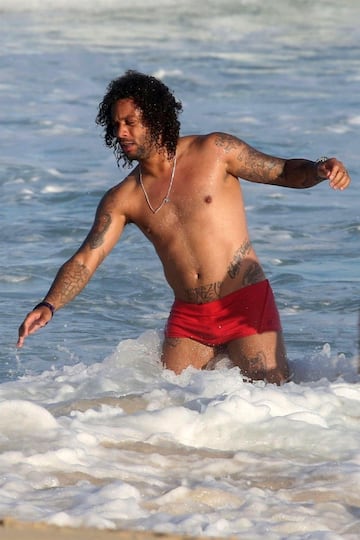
[261, 357]
[179, 353]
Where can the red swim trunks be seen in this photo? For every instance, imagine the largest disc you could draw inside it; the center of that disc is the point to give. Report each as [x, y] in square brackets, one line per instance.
[250, 310]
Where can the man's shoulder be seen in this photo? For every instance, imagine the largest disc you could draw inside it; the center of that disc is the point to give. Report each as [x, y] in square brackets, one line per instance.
[127, 183]
[216, 143]
[121, 192]
[213, 138]
[203, 137]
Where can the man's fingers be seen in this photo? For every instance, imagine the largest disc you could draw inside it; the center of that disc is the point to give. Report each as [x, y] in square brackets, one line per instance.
[339, 178]
[23, 333]
[32, 323]
[335, 172]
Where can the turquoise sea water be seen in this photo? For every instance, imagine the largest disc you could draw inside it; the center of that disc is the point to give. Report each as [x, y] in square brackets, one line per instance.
[117, 441]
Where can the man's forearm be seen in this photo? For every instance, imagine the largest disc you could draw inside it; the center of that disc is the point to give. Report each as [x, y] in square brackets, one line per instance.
[301, 173]
[70, 280]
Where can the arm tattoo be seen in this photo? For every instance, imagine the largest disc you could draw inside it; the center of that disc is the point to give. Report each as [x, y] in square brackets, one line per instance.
[260, 169]
[70, 280]
[97, 233]
[227, 142]
[204, 293]
[234, 266]
[253, 165]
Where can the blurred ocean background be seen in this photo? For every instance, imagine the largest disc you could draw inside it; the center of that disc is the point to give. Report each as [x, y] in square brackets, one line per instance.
[92, 430]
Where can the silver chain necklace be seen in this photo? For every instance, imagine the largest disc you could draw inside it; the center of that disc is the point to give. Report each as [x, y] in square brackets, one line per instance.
[166, 198]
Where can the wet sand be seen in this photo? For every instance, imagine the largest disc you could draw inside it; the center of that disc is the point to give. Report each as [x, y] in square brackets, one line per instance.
[11, 529]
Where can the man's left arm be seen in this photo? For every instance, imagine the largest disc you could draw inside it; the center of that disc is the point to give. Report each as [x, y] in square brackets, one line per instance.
[244, 161]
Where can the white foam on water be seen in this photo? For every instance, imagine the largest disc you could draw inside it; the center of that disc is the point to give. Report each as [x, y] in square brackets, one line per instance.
[24, 417]
[8, 278]
[124, 443]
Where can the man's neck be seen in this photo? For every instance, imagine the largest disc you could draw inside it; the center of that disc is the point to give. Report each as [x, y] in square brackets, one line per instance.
[156, 164]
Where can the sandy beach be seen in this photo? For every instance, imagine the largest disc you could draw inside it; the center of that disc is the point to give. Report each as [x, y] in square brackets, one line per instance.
[11, 529]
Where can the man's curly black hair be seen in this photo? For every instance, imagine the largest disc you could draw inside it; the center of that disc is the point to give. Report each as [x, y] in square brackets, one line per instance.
[158, 106]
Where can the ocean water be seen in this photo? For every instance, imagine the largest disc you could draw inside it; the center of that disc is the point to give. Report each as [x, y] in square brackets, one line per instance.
[92, 430]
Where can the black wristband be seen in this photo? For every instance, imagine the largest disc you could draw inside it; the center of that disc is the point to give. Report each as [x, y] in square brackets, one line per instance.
[48, 305]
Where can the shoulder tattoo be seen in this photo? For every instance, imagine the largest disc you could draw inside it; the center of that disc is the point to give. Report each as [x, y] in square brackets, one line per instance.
[226, 141]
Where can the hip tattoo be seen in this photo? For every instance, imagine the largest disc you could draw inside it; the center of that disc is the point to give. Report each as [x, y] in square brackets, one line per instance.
[204, 293]
[238, 259]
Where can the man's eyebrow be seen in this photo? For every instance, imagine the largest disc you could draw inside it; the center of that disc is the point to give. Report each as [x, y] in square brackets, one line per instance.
[127, 117]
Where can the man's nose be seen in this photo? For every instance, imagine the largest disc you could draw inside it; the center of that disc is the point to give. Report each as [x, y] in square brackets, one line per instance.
[121, 131]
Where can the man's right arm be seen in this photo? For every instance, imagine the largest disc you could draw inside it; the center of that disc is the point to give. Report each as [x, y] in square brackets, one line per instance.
[75, 273]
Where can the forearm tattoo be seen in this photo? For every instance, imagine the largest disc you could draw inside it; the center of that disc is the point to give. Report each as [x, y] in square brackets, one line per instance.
[98, 231]
[234, 266]
[70, 280]
[204, 293]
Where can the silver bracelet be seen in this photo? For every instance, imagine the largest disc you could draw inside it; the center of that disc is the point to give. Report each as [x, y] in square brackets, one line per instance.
[318, 162]
[321, 160]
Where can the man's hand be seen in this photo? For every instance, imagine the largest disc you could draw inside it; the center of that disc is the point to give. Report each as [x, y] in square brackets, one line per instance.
[33, 322]
[333, 170]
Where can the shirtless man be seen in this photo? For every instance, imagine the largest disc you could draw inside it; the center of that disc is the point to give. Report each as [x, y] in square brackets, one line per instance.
[186, 198]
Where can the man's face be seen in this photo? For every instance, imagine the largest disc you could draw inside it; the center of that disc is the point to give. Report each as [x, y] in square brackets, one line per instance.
[133, 136]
